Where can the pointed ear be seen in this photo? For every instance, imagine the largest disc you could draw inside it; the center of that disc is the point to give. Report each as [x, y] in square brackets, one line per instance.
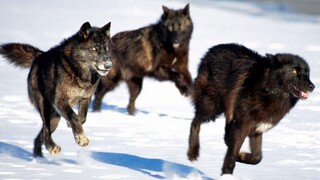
[272, 58]
[106, 29]
[269, 56]
[85, 30]
[186, 11]
[165, 10]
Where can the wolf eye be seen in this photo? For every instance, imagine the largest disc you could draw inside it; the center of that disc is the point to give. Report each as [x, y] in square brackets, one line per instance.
[294, 71]
[93, 49]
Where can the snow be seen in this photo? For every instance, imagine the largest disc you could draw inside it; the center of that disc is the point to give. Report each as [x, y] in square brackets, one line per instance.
[153, 144]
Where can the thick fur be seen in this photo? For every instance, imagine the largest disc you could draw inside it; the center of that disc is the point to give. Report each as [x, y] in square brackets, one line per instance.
[254, 92]
[62, 77]
[159, 50]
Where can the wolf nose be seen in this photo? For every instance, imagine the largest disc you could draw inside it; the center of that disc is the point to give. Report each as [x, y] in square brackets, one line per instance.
[108, 65]
[311, 87]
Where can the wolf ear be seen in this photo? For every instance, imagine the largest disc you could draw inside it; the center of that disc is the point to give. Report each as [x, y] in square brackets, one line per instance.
[186, 11]
[106, 29]
[166, 10]
[276, 59]
[273, 60]
[270, 56]
[85, 30]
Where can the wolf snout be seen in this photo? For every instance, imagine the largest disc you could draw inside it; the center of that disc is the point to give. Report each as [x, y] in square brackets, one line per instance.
[311, 87]
[108, 65]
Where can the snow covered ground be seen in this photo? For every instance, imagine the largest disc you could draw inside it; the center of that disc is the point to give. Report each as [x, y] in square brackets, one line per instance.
[153, 144]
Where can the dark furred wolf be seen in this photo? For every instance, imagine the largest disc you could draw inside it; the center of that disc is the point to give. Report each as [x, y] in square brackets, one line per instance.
[254, 92]
[62, 77]
[159, 50]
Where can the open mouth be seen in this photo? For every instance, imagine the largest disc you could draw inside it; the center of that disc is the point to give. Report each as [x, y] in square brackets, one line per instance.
[102, 72]
[301, 94]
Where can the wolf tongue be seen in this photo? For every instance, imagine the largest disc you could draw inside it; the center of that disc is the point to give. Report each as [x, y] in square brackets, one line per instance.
[305, 95]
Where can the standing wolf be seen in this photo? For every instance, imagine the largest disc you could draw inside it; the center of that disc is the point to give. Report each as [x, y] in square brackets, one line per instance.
[254, 92]
[159, 51]
[62, 77]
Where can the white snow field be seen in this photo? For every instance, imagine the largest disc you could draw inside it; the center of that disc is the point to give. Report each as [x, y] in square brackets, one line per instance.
[153, 143]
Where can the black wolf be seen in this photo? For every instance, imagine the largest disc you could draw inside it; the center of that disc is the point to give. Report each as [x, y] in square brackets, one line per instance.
[62, 77]
[253, 91]
[159, 50]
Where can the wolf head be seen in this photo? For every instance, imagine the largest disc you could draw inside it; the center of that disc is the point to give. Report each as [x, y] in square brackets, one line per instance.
[178, 24]
[292, 73]
[94, 47]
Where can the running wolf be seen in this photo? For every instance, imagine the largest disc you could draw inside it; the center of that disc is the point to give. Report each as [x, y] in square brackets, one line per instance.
[159, 50]
[254, 92]
[62, 77]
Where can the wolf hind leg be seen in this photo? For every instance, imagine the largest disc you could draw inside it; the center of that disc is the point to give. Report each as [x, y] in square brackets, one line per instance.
[54, 121]
[37, 150]
[50, 119]
[38, 141]
[194, 144]
[255, 142]
[135, 86]
[205, 110]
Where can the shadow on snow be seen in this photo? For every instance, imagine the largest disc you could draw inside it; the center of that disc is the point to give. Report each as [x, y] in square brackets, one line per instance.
[123, 110]
[18, 152]
[15, 151]
[156, 168]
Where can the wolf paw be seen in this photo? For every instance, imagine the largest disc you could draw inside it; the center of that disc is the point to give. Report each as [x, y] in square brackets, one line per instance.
[81, 139]
[192, 156]
[131, 110]
[54, 149]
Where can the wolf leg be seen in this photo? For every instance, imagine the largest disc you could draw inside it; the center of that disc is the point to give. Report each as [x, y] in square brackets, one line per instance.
[237, 135]
[38, 141]
[205, 110]
[37, 150]
[73, 120]
[227, 130]
[183, 82]
[105, 85]
[134, 85]
[50, 120]
[194, 144]
[98, 96]
[184, 85]
[83, 109]
[255, 142]
[54, 121]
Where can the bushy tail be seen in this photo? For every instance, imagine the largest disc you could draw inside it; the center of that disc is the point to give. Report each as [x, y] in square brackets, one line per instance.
[21, 55]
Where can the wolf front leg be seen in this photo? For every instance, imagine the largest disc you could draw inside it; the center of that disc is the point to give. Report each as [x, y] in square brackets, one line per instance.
[183, 82]
[181, 75]
[83, 109]
[135, 86]
[181, 78]
[255, 142]
[236, 136]
[77, 129]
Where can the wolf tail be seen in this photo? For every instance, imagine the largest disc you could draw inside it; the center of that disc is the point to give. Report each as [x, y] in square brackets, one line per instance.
[21, 55]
